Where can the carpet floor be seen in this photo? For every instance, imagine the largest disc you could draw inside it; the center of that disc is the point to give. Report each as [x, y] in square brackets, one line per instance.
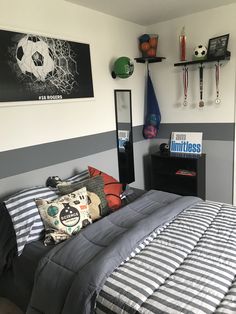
[7, 307]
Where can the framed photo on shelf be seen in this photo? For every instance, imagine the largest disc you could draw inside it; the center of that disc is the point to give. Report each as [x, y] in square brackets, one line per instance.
[217, 46]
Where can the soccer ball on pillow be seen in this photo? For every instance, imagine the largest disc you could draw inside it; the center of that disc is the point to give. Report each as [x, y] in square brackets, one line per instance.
[200, 52]
[34, 57]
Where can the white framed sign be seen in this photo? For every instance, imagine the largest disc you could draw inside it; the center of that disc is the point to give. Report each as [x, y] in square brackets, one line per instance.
[187, 143]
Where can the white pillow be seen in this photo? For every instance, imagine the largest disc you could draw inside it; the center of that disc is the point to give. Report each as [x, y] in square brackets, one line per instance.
[68, 213]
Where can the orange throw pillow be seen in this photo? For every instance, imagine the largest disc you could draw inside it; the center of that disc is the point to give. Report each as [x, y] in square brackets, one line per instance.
[112, 188]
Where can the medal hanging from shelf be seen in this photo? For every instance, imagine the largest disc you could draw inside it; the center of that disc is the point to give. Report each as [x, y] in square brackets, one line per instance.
[185, 85]
[201, 102]
[217, 76]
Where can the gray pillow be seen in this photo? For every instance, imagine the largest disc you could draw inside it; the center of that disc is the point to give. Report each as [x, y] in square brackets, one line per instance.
[96, 196]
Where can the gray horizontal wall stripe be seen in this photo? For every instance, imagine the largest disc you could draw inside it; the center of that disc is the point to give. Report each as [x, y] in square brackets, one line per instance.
[138, 133]
[26, 159]
[211, 131]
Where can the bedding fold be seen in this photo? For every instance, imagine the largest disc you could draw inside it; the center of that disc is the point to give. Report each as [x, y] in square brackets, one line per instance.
[188, 267]
[70, 276]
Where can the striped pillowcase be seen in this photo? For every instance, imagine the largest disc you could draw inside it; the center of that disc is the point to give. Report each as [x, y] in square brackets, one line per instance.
[83, 175]
[25, 216]
[24, 213]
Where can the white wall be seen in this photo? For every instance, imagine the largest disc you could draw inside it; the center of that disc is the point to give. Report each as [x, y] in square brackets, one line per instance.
[109, 38]
[199, 28]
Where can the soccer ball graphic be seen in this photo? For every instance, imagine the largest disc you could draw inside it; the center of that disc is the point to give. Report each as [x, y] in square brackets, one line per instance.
[34, 57]
[200, 52]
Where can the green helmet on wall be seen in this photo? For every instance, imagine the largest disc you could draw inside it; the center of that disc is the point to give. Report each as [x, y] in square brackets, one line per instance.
[123, 68]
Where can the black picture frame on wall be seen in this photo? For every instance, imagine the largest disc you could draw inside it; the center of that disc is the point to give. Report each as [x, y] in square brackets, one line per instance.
[39, 68]
[217, 47]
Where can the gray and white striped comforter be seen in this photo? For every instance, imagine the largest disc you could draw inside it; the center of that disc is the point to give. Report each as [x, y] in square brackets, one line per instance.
[188, 266]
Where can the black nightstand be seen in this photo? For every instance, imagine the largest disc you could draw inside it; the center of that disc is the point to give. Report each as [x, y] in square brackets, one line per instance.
[182, 174]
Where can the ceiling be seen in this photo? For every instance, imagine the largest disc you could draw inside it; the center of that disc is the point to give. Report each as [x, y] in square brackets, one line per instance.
[147, 12]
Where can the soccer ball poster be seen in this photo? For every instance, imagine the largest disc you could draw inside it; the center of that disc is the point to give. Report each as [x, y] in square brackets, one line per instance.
[34, 67]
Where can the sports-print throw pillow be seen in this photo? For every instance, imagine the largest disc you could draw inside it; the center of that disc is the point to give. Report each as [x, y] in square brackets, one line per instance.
[112, 188]
[64, 216]
[95, 210]
[96, 197]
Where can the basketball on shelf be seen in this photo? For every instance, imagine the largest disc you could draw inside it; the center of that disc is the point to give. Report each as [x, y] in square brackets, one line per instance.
[153, 42]
[144, 46]
[200, 52]
[151, 52]
[148, 45]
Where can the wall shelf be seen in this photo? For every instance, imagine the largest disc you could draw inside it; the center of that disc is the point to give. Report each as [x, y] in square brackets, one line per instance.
[149, 59]
[184, 63]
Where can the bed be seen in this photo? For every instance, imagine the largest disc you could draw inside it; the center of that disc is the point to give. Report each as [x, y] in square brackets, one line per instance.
[159, 253]
[17, 272]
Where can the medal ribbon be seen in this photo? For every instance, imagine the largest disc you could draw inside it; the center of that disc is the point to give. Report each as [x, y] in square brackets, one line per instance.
[185, 82]
[201, 82]
[217, 74]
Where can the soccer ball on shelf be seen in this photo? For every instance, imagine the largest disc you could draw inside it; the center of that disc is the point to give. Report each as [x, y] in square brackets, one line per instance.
[34, 57]
[200, 52]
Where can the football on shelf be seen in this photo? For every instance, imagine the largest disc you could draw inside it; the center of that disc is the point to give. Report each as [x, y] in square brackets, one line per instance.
[200, 52]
